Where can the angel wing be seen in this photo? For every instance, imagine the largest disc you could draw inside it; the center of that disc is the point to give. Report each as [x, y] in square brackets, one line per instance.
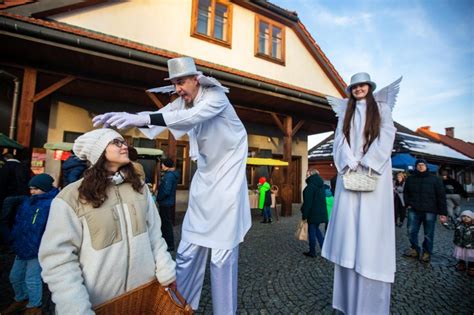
[338, 105]
[163, 89]
[388, 94]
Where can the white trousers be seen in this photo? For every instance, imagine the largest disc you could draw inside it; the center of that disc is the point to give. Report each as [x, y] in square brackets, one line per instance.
[191, 263]
[355, 294]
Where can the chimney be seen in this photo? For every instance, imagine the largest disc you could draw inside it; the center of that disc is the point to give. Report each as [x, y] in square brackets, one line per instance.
[449, 131]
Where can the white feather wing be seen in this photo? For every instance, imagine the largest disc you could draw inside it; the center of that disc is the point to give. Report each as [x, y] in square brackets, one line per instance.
[388, 95]
[338, 105]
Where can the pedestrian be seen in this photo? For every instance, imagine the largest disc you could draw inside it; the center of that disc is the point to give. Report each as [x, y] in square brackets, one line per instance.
[400, 210]
[27, 231]
[72, 169]
[133, 156]
[464, 242]
[314, 209]
[14, 177]
[166, 198]
[454, 194]
[103, 235]
[218, 214]
[425, 200]
[360, 239]
[265, 199]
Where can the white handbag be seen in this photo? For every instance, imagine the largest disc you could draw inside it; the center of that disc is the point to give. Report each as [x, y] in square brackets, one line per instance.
[359, 181]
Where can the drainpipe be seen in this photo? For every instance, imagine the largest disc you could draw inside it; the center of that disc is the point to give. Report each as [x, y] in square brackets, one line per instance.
[16, 93]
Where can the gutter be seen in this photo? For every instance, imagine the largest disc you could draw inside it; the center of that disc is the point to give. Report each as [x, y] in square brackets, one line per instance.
[35, 31]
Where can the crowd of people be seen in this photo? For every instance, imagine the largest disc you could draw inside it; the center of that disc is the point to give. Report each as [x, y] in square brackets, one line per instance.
[105, 224]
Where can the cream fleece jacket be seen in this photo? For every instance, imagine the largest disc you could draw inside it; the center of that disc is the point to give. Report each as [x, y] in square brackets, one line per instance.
[91, 255]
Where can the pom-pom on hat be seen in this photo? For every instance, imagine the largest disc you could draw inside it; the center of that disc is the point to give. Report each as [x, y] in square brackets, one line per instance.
[92, 144]
[262, 180]
[42, 181]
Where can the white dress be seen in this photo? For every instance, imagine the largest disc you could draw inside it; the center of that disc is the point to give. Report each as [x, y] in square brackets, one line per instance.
[218, 214]
[361, 236]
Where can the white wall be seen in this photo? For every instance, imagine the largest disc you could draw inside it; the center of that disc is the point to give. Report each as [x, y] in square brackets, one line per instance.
[166, 24]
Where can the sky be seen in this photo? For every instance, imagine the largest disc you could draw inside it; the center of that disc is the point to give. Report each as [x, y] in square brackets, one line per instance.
[428, 42]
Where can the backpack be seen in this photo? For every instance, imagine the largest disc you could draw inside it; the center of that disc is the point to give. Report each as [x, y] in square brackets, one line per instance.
[268, 198]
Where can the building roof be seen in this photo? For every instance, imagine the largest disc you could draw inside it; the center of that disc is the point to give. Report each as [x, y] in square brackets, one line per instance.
[459, 145]
[406, 141]
[34, 12]
[13, 3]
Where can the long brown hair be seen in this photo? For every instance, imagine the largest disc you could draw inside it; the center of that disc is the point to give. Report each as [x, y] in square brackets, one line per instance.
[93, 188]
[372, 120]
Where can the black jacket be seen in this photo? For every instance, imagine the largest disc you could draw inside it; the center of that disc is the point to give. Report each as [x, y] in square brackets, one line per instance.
[424, 192]
[452, 186]
[314, 201]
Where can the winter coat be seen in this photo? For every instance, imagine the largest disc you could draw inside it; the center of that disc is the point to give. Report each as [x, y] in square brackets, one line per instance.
[14, 177]
[73, 168]
[263, 193]
[7, 218]
[464, 235]
[452, 186]
[314, 208]
[91, 255]
[424, 192]
[166, 196]
[29, 225]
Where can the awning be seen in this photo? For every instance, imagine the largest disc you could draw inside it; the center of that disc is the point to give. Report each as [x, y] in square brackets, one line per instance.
[406, 162]
[266, 162]
[6, 142]
[67, 146]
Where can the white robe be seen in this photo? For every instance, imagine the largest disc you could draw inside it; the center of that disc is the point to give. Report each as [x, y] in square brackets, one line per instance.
[218, 214]
[361, 233]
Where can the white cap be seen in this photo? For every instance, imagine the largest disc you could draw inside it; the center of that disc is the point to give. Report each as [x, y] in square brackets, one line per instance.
[92, 144]
[181, 67]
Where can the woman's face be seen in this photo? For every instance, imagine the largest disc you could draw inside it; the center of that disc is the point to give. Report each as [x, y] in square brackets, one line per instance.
[399, 177]
[360, 91]
[116, 154]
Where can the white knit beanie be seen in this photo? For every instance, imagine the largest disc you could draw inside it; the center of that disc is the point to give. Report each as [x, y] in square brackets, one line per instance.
[92, 144]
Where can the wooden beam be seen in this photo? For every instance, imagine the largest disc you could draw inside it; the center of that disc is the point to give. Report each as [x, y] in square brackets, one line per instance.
[154, 99]
[25, 117]
[278, 122]
[297, 127]
[287, 188]
[56, 86]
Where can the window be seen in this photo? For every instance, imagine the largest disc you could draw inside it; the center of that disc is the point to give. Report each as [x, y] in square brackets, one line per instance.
[212, 21]
[269, 40]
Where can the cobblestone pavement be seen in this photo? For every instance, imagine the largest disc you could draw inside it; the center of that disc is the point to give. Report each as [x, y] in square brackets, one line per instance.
[275, 278]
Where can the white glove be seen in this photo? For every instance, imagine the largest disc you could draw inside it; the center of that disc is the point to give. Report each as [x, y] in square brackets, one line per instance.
[125, 120]
[353, 165]
[102, 119]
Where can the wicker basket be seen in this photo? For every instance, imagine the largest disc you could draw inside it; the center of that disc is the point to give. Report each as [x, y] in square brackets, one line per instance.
[358, 181]
[150, 298]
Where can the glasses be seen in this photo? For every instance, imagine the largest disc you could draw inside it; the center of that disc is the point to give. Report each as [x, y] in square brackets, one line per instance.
[119, 143]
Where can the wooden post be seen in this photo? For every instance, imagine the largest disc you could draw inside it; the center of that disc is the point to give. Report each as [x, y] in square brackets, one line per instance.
[172, 143]
[287, 188]
[25, 117]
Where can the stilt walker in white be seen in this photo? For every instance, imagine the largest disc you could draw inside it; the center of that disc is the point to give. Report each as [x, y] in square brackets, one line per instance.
[218, 214]
[360, 240]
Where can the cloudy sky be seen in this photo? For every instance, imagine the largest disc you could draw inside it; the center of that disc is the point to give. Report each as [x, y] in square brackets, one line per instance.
[429, 42]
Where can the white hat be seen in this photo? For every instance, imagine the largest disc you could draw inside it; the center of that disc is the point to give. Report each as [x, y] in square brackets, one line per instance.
[181, 67]
[92, 144]
[361, 77]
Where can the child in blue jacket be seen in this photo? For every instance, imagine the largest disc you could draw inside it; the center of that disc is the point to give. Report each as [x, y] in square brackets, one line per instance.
[25, 239]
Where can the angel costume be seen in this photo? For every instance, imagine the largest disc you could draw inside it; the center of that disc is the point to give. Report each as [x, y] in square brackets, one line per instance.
[360, 239]
[218, 214]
